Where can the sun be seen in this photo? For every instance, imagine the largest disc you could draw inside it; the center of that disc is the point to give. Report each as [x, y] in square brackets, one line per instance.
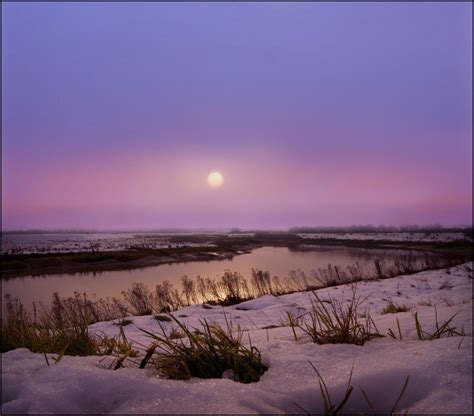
[215, 179]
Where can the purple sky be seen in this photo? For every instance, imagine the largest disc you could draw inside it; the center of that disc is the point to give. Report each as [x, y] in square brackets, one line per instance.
[315, 113]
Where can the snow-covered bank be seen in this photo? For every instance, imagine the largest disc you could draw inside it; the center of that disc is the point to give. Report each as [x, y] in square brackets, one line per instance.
[439, 370]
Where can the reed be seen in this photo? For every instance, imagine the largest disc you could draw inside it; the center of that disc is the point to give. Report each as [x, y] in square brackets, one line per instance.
[62, 329]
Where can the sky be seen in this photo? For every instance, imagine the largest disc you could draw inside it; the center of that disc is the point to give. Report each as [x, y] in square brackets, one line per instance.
[114, 114]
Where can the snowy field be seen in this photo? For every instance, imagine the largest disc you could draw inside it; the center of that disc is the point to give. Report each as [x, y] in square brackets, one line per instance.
[408, 237]
[87, 242]
[440, 374]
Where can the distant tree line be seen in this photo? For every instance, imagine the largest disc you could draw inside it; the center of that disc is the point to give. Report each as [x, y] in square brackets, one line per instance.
[383, 229]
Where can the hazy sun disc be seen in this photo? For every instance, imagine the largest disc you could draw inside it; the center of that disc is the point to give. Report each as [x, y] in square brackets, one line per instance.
[215, 179]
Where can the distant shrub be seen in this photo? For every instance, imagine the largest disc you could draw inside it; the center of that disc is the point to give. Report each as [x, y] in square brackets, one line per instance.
[394, 308]
[425, 302]
[446, 285]
[124, 322]
[162, 318]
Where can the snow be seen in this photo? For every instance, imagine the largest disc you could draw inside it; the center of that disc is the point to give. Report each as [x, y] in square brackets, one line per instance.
[439, 370]
[88, 242]
[24, 243]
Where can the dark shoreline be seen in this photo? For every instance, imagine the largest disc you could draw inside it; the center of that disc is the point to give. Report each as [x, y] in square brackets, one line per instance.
[89, 262]
[224, 248]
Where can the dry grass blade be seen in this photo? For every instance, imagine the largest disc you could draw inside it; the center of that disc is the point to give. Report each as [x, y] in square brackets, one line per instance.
[419, 329]
[329, 408]
[368, 401]
[293, 323]
[394, 407]
[392, 334]
[400, 395]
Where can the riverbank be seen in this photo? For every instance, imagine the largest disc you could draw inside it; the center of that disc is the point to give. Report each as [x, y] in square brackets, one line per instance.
[48, 264]
[439, 371]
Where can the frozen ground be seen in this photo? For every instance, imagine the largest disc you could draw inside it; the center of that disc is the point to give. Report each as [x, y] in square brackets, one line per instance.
[439, 370]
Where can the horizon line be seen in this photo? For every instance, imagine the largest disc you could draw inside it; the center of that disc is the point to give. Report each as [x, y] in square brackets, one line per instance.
[305, 228]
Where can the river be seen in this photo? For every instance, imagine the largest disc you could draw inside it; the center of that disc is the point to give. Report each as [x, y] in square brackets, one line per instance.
[278, 260]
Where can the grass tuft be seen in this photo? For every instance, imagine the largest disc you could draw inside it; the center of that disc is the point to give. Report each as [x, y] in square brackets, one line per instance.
[338, 324]
[444, 330]
[209, 352]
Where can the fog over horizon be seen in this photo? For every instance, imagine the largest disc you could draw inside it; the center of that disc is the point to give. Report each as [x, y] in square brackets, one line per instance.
[366, 228]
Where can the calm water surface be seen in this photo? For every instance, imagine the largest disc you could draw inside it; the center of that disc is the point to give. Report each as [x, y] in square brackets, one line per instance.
[279, 261]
